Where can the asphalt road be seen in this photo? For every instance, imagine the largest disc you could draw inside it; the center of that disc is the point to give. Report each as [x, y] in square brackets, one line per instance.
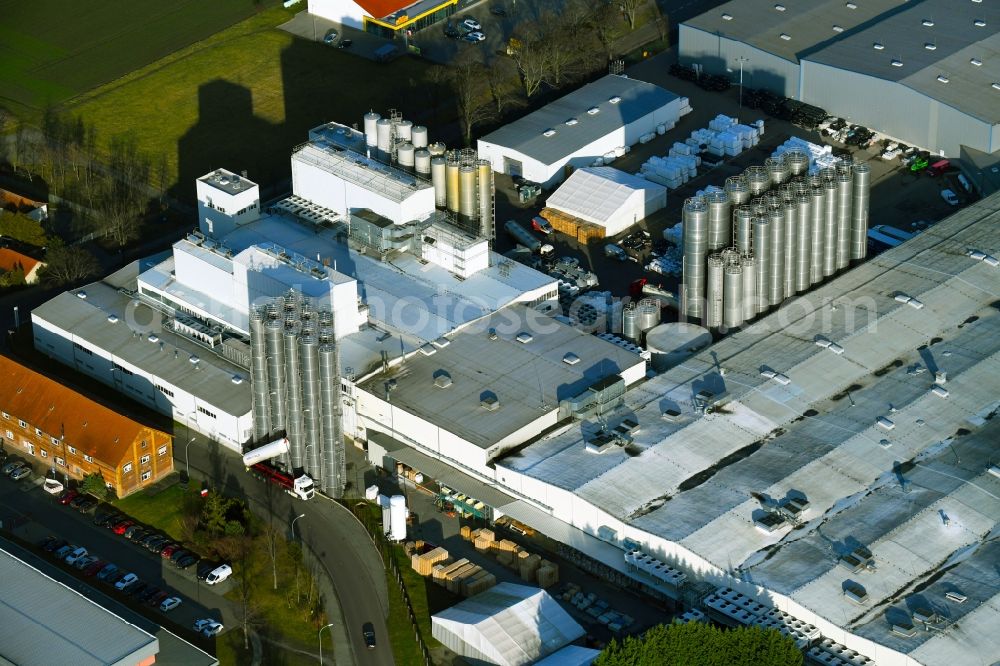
[338, 540]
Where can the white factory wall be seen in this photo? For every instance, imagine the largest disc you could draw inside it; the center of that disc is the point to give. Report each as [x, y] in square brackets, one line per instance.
[549, 175]
[465, 262]
[202, 276]
[229, 429]
[717, 54]
[345, 12]
[207, 314]
[326, 189]
[220, 212]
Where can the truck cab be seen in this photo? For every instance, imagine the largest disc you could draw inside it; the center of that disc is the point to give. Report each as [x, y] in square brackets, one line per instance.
[304, 488]
[541, 225]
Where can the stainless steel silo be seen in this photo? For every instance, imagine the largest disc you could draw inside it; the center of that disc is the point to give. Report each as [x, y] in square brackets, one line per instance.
[738, 190]
[791, 212]
[371, 134]
[797, 161]
[405, 156]
[714, 291]
[437, 148]
[419, 136]
[695, 218]
[404, 130]
[743, 220]
[647, 314]
[468, 202]
[293, 401]
[258, 376]
[776, 276]
[845, 190]
[275, 373]
[749, 265]
[422, 162]
[630, 322]
[333, 467]
[383, 138]
[817, 208]
[829, 227]
[720, 233]
[452, 180]
[309, 366]
[762, 259]
[484, 191]
[758, 180]
[777, 170]
[803, 255]
[439, 179]
[732, 301]
[859, 212]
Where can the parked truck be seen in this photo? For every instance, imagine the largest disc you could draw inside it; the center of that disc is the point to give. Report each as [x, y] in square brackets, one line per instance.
[527, 239]
[257, 463]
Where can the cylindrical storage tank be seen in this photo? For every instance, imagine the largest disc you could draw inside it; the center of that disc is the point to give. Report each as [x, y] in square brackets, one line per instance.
[743, 220]
[803, 254]
[758, 180]
[845, 194]
[829, 227]
[275, 373]
[484, 186]
[371, 135]
[828, 173]
[293, 425]
[777, 170]
[749, 287]
[797, 161]
[404, 130]
[817, 208]
[405, 156]
[776, 277]
[732, 300]
[791, 211]
[695, 219]
[383, 138]
[738, 190]
[437, 148]
[762, 258]
[418, 137]
[630, 322]
[451, 173]
[720, 231]
[422, 162]
[439, 179]
[648, 314]
[859, 212]
[309, 367]
[397, 518]
[258, 376]
[468, 205]
[673, 343]
[331, 433]
[714, 293]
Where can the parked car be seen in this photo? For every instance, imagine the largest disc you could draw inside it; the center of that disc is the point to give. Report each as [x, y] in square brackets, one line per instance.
[149, 593]
[187, 561]
[498, 10]
[111, 519]
[84, 562]
[950, 197]
[12, 465]
[76, 555]
[177, 555]
[150, 538]
[53, 546]
[126, 580]
[451, 31]
[63, 551]
[115, 577]
[20, 473]
[157, 598]
[615, 252]
[131, 530]
[94, 567]
[87, 505]
[212, 629]
[471, 23]
[206, 568]
[331, 37]
[122, 526]
[75, 502]
[43, 544]
[167, 552]
[67, 496]
[107, 571]
[138, 591]
[158, 545]
[345, 43]
[475, 37]
[219, 574]
[170, 603]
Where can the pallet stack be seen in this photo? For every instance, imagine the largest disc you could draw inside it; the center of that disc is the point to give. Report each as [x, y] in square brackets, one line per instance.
[528, 565]
[483, 540]
[548, 574]
[423, 563]
[573, 226]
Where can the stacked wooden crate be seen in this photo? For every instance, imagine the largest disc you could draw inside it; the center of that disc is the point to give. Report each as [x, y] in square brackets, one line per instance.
[528, 566]
[572, 226]
[423, 563]
[548, 574]
[483, 539]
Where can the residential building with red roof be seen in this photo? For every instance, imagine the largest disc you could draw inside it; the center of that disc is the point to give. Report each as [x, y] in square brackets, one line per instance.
[385, 18]
[12, 260]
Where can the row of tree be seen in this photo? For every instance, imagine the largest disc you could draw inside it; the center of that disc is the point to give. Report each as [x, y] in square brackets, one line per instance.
[700, 644]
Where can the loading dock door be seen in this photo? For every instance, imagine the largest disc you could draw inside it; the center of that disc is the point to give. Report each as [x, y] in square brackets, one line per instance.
[512, 167]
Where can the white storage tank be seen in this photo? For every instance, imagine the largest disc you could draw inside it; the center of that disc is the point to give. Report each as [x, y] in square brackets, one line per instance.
[397, 518]
[371, 135]
[418, 137]
[672, 343]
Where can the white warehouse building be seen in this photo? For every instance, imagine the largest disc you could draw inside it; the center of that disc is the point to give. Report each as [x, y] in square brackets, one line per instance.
[577, 129]
[608, 197]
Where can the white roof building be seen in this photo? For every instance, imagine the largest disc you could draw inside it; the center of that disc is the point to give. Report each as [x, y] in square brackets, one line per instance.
[507, 625]
[608, 197]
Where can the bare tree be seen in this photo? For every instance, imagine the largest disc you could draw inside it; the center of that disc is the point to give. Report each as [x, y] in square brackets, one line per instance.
[124, 197]
[468, 77]
[501, 77]
[239, 551]
[272, 539]
[629, 9]
[602, 25]
[530, 53]
[65, 265]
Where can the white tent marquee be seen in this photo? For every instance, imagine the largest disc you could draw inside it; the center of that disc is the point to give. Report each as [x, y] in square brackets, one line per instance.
[507, 625]
[608, 197]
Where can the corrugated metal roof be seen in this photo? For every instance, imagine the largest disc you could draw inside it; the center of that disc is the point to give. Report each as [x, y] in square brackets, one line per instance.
[43, 622]
[596, 194]
[636, 99]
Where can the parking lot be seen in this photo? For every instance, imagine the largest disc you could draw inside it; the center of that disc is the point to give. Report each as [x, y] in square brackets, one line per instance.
[33, 516]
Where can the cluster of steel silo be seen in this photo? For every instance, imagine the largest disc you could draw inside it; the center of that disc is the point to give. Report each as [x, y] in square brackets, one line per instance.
[768, 234]
[294, 369]
[638, 318]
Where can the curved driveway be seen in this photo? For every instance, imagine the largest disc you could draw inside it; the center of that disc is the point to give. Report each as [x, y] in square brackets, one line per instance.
[336, 538]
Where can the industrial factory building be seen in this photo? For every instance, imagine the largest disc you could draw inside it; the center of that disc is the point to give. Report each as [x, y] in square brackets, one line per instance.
[923, 72]
[608, 197]
[829, 472]
[590, 123]
[385, 18]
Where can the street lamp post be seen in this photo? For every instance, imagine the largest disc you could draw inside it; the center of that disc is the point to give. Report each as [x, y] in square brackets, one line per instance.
[320, 635]
[742, 59]
[187, 464]
[301, 515]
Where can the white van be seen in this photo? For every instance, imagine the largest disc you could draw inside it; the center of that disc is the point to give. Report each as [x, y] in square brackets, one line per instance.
[966, 185]
[219, 574]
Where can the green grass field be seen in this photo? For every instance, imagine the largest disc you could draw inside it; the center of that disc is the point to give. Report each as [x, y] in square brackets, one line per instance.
[51, 50]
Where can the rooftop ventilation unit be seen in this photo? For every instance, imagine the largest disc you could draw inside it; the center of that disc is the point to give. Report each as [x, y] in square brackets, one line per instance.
[940, 391]
[427, 349]
[927, 23]
[572, 121]
[490, 402]
[878, 46]
[896, 63]
[442, 342]
[593, 111]
[615, 99]
[548, 132]
[443, 380]
[194, 359]
[237, 379]
[956, 597]
[851, 5]
[930, 46]
[727, 17]
[942, 78]
[979, 23]
[113, 319]
[884, 423]
[770, 522]
[838, 28]
[996, 86]
[855, 592]
[779, 8]
[153, 338]
[785, 36]
[976, 62]
[83, 294]
[571, 359]
[524, 337]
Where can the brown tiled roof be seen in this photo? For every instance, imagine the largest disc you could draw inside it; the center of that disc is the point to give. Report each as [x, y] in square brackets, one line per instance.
[60, 411]
[10, 259]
